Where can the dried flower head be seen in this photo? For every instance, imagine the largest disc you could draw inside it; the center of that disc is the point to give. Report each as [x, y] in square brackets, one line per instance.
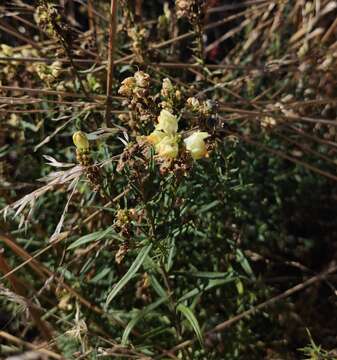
[127, 86]
[142, 79]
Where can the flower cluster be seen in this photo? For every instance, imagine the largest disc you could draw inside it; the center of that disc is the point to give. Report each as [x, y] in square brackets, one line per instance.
[46, 16]
[135, 86]
[165, 139]
[137, 91]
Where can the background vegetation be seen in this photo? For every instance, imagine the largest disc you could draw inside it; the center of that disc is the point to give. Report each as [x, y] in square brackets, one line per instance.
[124, 247]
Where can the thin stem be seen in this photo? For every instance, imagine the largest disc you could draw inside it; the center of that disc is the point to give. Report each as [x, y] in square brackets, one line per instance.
[110, 66]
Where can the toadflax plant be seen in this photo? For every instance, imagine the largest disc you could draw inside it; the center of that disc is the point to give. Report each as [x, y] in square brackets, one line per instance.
[167, 179]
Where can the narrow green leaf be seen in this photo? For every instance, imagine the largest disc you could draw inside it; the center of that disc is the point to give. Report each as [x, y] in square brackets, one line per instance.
[129, 274]
[89, 237]
[210, 206]
[206, 274]
[171, 255]
[132, 323]
[100, 275]
[190, 317]
[157, 287]
[240, 257]
[211, 284]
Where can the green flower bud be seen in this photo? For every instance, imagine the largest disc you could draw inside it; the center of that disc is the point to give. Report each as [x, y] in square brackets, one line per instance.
[80, 140]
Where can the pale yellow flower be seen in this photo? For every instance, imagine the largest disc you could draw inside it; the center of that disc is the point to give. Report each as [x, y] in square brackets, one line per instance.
[168, 147]
[155, 137]
[167, 122]
[80, 140]
[195, 144]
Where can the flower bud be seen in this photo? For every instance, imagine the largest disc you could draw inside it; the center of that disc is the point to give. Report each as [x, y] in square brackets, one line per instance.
[81, 141]
[193, 103]
[167, 87]
[195, 144]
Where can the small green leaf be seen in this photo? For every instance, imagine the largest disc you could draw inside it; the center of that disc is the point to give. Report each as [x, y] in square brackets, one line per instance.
[188, 314]
[129, 274]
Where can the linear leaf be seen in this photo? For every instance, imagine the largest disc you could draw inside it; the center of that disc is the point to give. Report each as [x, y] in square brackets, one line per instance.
[89, 238]
[129, 274]
[138, 317]
[188, 314]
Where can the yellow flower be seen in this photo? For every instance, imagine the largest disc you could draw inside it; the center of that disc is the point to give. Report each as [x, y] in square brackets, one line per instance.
[155, 137]
[195, 144]
[80, 140]
[167, 123]
[168, 147]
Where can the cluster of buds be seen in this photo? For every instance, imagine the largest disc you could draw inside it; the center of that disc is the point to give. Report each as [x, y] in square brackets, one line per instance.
[165, 139]
[48, 73]
[92, 172]
[171, 96]
[165, 23]
[81, 142]
[139, 37]
[190, 9]
[50, 20]
[12, 68]
[135, 86]
[136, 89]
[122, 223]
[46, 16]
[7, 70]
[200, 107]
[183, 7]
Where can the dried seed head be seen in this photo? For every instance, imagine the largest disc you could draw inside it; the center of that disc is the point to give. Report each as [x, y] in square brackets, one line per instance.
[142, 79]
[127, 87]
